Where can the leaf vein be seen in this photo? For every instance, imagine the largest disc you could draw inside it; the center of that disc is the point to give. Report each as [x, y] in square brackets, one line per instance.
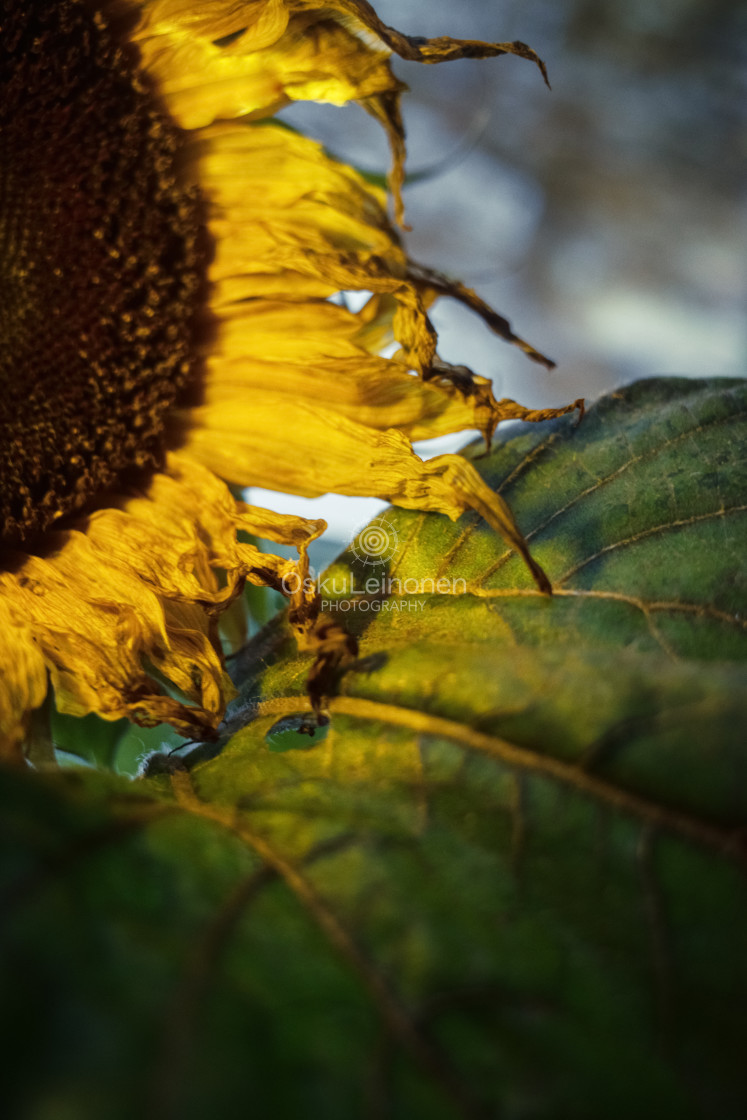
[399, 1022]
[601, 482]
[728, 842]
[652, 531]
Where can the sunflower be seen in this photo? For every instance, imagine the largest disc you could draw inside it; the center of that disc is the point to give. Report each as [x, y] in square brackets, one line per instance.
[169, 261]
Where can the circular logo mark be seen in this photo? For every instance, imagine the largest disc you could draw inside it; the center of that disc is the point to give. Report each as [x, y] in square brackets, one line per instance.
[375, 544]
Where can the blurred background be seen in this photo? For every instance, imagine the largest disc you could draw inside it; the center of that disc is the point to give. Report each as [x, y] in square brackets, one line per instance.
[606, 218]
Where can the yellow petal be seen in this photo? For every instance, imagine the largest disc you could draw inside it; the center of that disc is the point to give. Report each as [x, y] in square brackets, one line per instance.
[292, 50]
[287, 218]
[274, 62]
[139, 591]
[261, 21]
[23, 682]
[285, 444]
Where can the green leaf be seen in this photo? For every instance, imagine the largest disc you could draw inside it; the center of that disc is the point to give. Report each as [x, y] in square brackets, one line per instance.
[509, 880]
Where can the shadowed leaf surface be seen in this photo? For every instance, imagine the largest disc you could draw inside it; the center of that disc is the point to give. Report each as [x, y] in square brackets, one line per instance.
[507, 881]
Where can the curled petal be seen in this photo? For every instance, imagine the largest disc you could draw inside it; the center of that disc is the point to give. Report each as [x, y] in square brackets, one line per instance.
[134, 600]
[23, 682]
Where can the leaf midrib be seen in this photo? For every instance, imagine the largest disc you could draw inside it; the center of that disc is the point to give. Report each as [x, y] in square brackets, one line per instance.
[727, 842]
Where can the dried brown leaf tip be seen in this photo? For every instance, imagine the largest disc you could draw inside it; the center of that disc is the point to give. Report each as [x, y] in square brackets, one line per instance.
[335, 650]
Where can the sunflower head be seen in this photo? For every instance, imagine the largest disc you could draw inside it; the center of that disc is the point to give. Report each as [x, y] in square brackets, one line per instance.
[101, 265]
[170, 265]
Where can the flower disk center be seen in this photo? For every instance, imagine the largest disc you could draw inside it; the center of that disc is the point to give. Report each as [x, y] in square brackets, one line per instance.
[100, 266]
